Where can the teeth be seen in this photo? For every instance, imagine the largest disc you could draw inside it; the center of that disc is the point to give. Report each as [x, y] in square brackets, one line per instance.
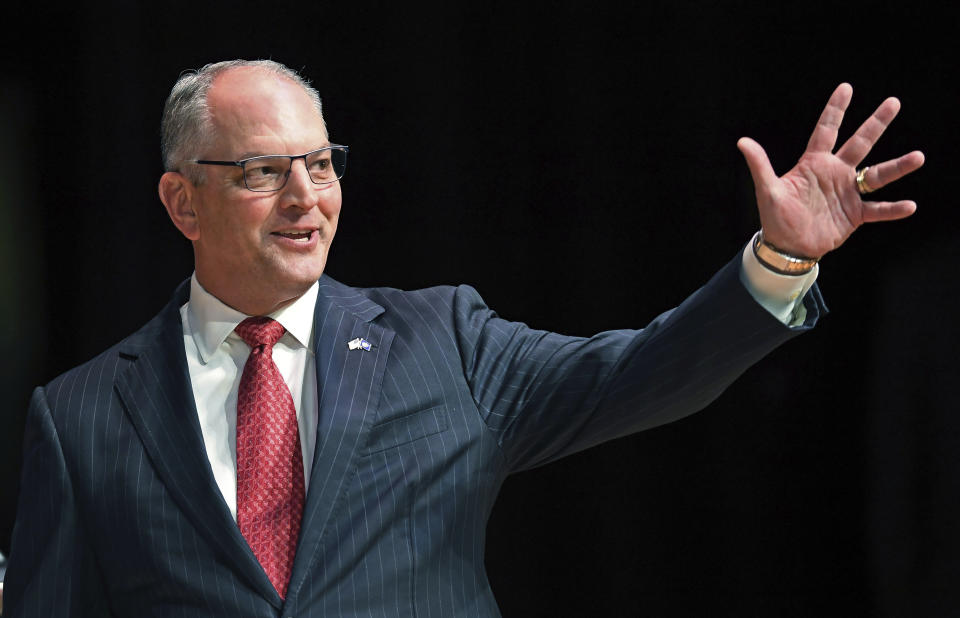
[301, 236]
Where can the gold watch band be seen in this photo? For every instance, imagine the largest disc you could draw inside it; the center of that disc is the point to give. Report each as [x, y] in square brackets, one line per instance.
[779, 261]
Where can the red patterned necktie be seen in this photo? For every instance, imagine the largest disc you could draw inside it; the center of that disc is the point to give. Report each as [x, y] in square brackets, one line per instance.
[270, 488]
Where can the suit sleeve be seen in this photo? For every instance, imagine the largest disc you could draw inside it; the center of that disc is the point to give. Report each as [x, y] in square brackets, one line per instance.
[548, 395]
[51, 571]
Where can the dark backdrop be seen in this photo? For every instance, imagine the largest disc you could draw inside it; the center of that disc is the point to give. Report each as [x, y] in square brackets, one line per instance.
[577, 164]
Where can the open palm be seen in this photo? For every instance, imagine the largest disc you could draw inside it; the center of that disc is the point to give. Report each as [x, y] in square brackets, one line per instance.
[813, 208]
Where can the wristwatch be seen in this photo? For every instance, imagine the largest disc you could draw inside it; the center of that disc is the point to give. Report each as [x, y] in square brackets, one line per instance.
[779, 261]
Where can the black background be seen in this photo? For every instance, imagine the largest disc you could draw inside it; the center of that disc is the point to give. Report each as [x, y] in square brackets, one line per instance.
[577, 164]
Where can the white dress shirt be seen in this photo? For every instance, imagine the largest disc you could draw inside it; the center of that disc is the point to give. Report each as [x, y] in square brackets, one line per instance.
[216, 356]
[781, 295]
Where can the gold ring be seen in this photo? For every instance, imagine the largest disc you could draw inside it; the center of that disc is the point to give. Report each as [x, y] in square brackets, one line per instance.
[862, 185]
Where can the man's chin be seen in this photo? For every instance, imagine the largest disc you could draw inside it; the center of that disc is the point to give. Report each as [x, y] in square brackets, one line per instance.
[299, 279]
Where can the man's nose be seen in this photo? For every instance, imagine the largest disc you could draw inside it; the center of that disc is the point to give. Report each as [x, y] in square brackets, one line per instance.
[300, 190]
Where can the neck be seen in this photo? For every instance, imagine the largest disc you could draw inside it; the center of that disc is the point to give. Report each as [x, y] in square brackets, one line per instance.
[250, 300]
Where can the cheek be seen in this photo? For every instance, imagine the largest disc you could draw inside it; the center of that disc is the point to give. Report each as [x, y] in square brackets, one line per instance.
[330, 201]
[232, 229]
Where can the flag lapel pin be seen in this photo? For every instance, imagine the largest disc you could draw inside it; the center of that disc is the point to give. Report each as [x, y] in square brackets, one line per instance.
[359, 344]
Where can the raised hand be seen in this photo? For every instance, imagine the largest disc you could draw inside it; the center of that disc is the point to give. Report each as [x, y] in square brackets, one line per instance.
[813, 208]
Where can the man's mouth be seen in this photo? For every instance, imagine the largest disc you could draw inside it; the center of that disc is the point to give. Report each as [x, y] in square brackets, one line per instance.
[298, 236]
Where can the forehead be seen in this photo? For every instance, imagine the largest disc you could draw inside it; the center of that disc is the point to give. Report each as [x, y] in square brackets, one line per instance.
[257, 112]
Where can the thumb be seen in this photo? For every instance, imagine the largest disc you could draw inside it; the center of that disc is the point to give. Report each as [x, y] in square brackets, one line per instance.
[760, 168]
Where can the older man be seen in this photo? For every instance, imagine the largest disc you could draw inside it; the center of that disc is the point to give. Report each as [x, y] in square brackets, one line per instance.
[275, 443]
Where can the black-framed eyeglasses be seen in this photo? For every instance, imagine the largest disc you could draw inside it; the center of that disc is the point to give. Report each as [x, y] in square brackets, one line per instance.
[270, 172]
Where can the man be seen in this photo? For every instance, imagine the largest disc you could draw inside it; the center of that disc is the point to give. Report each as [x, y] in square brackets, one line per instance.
[342, 457]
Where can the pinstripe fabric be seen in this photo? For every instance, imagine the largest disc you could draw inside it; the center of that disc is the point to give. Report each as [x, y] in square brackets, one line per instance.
[120, 513]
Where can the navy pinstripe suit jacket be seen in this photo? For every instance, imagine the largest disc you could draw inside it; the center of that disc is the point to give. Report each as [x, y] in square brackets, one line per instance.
[120, 514]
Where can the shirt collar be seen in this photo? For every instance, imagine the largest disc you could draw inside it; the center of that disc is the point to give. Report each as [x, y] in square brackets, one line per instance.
[211, 321]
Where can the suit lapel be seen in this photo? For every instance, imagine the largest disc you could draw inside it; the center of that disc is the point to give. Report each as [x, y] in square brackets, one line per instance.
[348, 388]
[156, 391]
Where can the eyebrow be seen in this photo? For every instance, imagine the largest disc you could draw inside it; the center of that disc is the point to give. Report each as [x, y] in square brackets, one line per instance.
[249, 154]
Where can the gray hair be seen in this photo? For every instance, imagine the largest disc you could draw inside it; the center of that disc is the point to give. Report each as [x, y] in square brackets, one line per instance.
[186, 127]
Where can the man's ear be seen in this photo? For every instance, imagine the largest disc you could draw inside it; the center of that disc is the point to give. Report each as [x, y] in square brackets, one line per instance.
[178, 195]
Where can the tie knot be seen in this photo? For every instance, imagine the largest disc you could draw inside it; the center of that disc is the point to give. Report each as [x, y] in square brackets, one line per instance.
[260, 330]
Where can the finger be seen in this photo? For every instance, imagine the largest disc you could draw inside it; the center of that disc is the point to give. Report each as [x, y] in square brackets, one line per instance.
[758, 162]
[887, 211]
[889, 171]
[855, 149]
[824, 136]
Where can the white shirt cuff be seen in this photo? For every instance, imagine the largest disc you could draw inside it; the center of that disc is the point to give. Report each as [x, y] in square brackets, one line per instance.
[781, 295]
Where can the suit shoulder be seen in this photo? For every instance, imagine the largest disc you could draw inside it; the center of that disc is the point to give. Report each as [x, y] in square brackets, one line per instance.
[456, 311]
[390, 296]
[96, 366]
[448, 302]
[437, 293]
[99, 371]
